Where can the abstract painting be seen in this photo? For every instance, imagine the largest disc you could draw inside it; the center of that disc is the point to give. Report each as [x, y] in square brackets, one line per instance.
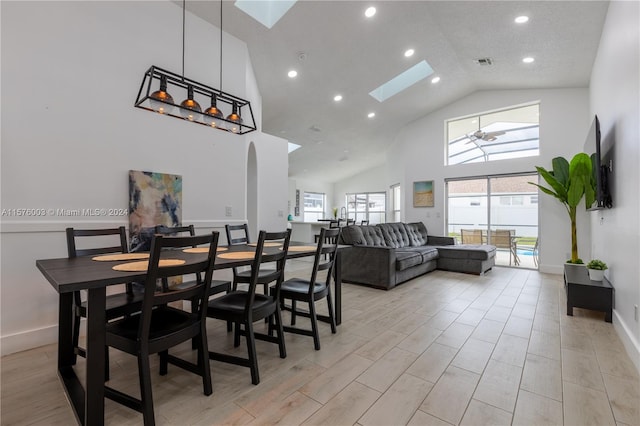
[154, 199]
[423, 194]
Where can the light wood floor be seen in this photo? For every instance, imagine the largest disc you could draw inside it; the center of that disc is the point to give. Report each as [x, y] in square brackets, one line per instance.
[445, 348]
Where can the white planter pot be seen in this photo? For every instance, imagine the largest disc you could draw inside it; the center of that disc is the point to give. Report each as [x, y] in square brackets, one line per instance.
[596, 274]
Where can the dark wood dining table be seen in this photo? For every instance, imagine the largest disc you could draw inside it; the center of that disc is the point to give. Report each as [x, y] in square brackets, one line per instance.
[82, 273]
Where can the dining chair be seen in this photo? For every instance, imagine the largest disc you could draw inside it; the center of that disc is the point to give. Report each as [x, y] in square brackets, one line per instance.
[239, 235]
[364, 222]
[311, 290]
[118, 304]
[217, 286]
[243, 308]
[159, 326]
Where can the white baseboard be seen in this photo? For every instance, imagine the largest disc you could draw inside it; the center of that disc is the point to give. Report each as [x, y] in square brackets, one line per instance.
[29, 339]
[629, 341]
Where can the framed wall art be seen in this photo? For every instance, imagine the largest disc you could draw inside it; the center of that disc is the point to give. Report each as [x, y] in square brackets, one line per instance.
[423, 193]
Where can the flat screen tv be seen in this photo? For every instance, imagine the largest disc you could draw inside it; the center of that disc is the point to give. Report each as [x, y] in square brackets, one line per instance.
[600, 170]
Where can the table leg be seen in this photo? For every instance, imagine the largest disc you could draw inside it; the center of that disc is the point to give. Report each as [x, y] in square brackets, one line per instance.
[65, 330]
[94, 392]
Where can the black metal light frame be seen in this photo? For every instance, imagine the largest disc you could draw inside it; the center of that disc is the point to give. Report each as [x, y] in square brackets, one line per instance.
[178, 85]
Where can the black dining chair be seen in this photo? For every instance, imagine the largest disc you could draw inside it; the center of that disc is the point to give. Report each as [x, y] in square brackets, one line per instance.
[159, 326]
[364, 222]
[239, 235]
[243, 308]
[114, 240]
[311, 290]
[217, 286]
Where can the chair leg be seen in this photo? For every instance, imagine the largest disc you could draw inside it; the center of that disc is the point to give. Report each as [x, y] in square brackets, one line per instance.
[314, 324]
[76, 335]
[146, 397]
[253, 357]
[229, 326]
[203, 362]
[106, 363]
[330, 308]
[236, 335]
[164, 362]
[293, 312]
[280, 331]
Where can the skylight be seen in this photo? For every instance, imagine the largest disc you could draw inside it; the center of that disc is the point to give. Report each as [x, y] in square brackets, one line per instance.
[293, 147]
[267, 12]
[402, 81]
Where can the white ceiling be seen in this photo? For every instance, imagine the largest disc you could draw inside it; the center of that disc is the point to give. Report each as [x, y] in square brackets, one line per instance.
[344, 52]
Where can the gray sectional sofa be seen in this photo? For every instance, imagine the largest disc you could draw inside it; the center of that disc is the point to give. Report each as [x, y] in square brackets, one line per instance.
[388, 254]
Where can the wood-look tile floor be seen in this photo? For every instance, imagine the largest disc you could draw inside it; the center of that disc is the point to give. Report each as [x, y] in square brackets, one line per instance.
[442, 349]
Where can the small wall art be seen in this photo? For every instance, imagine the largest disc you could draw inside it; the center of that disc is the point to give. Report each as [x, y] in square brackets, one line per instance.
[423, 193]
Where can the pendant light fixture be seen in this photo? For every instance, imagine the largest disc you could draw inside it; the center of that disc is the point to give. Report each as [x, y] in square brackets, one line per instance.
[154, 96]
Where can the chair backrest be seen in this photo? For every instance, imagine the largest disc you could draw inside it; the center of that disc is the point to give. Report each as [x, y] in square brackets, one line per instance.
[364, 222]
[501, 238]
[115, 234]
[351, 222]
[175, 230]
[471, 236]
[325, 255]
[237, 234]
[277, 255]
[335, 223]
[197, 291]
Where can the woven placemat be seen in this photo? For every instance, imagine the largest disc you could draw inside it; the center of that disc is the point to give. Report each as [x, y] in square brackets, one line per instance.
[202, 249]
[144, 265]
[121, 256]
[265, 244]
[302, 248]
[238, 255]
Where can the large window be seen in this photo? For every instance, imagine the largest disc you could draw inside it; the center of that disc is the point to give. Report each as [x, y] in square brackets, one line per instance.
[396, 203]
[369, 206]
[499, 135]
[313, 206]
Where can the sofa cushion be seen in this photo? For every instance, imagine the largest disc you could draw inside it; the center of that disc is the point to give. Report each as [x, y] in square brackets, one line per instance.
[358, 235]
[407, 259]
[468, 251]
[395, 234]
[428, 252]
[417, 233]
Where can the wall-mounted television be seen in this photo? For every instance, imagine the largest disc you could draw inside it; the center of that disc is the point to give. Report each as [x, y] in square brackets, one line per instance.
[600, 170]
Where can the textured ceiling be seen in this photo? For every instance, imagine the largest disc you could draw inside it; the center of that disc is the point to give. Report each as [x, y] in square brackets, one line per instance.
[335, 49]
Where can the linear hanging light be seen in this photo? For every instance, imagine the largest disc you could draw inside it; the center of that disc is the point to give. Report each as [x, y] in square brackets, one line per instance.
[160, 87]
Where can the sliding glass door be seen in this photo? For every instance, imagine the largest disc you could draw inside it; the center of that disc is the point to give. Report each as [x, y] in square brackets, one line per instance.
[497, 210]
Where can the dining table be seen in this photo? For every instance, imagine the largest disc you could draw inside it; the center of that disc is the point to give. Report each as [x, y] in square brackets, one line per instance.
[67, 275]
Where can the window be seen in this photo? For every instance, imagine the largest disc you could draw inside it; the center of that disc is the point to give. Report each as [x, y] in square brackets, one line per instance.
[369, 206]
[510, 133]
[313, 206]
[396, 203]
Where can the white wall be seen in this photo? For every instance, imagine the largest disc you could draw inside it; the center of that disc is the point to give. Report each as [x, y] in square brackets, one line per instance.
[70, 134]
[419, 151]
[615, 98]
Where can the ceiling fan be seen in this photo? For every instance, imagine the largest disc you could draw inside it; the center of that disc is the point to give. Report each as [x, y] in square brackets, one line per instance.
[485, 136]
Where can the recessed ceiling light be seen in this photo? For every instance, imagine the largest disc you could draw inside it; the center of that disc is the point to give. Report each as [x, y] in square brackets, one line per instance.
[371, 114]
[434, 80]
[292, 73]
[409, 53]
[528, 60]
[521, 19]
[337, 98]
[370, 12]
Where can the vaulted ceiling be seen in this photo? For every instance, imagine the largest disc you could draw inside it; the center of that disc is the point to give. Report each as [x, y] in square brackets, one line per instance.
[337, 50]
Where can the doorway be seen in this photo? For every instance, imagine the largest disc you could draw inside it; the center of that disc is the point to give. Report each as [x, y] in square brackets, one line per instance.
[501, 210]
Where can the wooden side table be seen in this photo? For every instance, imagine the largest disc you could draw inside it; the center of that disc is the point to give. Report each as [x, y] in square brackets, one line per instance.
[587, 294]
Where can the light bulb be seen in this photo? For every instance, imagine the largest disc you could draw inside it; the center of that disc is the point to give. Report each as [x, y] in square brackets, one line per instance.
[161, 100]
[189, 108]
[236, 120]
[212, 115]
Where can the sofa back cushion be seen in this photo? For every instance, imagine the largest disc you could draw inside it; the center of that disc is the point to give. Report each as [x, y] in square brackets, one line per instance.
[357, 235]
[417, 233]
[395, 234]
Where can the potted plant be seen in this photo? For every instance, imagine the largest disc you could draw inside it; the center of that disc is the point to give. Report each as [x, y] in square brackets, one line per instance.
[335, 212]
[569, 182]
[596, 269]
